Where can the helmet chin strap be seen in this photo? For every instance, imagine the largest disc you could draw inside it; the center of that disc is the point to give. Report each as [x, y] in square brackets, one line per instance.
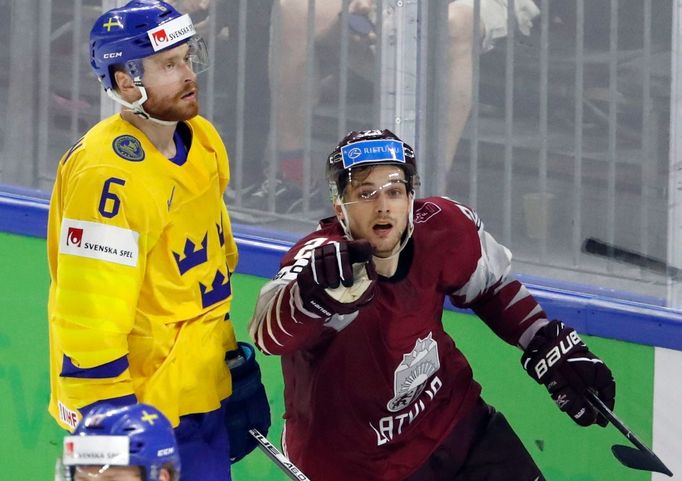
[136, 106]
[343, 221]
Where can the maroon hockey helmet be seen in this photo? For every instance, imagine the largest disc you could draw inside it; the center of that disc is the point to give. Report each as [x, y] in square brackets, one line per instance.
[365, 148]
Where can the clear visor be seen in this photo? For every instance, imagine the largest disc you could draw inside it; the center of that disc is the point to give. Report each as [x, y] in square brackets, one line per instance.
[363, 191]
[172, 65]
[97, 473]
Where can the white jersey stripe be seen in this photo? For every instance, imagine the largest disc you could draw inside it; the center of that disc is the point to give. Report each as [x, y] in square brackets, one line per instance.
[521, 294]
[278, 299]
[268, 324]
[537, 309]
[493, 266]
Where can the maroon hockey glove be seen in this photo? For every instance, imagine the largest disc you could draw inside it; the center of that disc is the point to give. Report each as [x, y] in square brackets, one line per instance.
[331, 284]
[559, 359]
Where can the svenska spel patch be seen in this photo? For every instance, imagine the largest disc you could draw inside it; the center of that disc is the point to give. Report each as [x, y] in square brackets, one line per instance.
[96, 450]
[172, 32]
[99, 241]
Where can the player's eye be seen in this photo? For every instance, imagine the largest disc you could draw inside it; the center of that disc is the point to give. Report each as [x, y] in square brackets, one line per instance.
[395, 193]
[367, 194]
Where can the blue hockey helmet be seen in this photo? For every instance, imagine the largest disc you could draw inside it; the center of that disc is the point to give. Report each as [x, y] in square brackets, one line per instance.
[137, 30]
[136, 435]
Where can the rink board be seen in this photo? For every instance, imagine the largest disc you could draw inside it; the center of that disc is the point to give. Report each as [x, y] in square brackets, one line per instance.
[30, 441]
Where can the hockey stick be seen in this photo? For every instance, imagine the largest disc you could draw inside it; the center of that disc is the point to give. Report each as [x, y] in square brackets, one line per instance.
[598, 247]
[277, 457]
[641, 458]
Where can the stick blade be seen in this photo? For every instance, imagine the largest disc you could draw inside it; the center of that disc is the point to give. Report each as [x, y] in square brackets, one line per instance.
[636, 459]
[597, 247]
[594, 246]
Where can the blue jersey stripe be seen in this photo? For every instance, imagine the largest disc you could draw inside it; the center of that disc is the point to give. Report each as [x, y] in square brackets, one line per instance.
[111, 369]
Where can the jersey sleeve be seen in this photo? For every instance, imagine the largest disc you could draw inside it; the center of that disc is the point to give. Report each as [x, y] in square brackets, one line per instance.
[106, 223]
[230, 245]
[229, 336]
[281, 324]
[489, 289]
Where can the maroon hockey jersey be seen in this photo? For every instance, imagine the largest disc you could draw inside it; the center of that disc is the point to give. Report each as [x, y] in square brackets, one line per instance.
[370, 395]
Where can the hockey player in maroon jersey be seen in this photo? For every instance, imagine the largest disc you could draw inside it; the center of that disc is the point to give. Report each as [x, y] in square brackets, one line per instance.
[375, 390]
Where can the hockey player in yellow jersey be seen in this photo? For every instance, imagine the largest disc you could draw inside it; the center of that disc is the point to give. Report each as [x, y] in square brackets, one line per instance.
[141, 251]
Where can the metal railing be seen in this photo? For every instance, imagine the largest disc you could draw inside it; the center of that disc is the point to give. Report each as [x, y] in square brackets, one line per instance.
[568, 134]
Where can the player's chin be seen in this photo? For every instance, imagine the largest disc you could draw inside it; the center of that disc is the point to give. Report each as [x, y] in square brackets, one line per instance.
[191, 109]
[384, 246]
[187, 113]
[177, 114]
[192, 114]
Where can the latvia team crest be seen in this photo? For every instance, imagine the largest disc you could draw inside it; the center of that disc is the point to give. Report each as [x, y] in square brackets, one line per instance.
[417, 366]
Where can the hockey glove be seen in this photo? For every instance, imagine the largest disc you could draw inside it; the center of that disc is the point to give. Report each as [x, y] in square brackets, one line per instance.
[339, 278]
[247, 407]
[559, 359]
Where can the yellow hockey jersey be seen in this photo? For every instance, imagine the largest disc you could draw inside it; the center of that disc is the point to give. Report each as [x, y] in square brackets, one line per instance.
[140, 252]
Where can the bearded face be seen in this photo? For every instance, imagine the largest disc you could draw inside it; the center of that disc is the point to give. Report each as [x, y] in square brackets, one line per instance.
[172, 89]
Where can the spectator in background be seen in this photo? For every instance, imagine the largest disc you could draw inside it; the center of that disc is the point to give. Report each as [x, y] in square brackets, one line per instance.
[224, 33]
[288, 77]
[200, 9]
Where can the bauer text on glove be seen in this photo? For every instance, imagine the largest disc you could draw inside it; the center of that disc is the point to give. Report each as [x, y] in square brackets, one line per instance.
[559, 359]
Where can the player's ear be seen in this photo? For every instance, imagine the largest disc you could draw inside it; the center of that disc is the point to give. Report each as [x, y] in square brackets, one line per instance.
[125, 85]
[164, 475]
[337, 208]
